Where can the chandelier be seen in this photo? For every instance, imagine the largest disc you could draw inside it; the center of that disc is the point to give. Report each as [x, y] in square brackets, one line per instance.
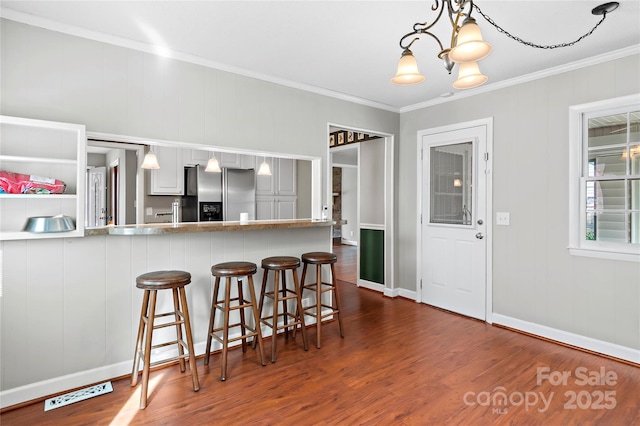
[467, 46]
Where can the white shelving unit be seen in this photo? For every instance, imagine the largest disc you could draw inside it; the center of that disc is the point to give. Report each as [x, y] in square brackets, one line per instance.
[42, 148]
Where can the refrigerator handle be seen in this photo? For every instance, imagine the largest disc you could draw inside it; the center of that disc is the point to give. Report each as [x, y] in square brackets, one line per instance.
[224, 194]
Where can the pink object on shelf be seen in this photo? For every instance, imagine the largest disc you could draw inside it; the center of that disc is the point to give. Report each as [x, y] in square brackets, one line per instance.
[17, 183]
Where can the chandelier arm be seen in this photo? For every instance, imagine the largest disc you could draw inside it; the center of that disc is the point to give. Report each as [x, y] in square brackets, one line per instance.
[416, 33]
[530, 44]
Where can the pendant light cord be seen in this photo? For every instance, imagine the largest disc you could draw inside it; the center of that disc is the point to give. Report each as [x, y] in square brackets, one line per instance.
[539, 46]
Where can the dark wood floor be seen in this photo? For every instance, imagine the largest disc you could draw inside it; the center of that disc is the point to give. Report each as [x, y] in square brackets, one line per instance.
[400, 362]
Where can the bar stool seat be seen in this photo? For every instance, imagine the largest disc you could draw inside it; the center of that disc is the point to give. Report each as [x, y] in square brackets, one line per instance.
[280, 265]
[151, 283]
[227, 304]
[319, 287]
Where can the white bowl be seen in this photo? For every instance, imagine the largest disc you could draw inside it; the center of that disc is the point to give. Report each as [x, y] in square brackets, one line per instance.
[45, 224]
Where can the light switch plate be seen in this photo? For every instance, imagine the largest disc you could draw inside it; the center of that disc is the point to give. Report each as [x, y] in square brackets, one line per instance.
[149, 211]
[502, 218]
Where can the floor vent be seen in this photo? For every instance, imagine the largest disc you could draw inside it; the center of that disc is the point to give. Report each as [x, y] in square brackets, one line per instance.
[76, 396]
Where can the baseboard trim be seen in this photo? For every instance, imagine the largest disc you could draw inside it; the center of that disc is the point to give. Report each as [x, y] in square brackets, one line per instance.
[568, 338]
[371, 285]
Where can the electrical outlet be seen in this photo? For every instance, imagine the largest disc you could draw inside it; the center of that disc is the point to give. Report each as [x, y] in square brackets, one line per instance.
[502, 218]
[149, 211]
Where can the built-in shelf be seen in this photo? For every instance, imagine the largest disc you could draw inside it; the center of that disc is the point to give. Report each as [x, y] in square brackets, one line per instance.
[48, 149]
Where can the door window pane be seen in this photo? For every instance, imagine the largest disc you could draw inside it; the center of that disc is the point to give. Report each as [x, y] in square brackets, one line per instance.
[451, 184]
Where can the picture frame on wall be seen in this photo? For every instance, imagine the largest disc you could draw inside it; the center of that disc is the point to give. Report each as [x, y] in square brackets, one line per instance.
[360, 136]
[332, 140]
[341, 136]
[350, 137]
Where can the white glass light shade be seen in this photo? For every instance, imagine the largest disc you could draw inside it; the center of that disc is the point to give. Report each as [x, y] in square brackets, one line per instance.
[150, 161]
[213, 165]
[470, 46]
[469, 76]
[407, 70]
[265, 169]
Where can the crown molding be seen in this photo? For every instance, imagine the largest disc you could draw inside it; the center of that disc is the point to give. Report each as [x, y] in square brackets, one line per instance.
[610, 56]
[148, 48]
[48, 24]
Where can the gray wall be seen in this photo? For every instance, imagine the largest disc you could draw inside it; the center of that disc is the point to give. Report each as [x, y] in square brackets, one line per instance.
[53, 76]
[534, 277]
[372, 182]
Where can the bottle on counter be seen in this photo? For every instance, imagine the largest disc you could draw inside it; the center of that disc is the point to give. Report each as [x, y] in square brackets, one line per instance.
[175, 211]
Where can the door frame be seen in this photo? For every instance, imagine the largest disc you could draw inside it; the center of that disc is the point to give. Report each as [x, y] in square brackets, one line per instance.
[389, 289]
[488, 124]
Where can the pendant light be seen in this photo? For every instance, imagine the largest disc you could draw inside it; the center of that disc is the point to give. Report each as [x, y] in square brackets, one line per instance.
[467, 45]
[150, 160]
[213, 166]
[265, 169]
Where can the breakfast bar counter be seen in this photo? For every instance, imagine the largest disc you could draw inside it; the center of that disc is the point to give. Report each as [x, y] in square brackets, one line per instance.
[191, 227]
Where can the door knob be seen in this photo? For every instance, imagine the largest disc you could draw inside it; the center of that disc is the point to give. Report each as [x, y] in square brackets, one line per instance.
[479, 235]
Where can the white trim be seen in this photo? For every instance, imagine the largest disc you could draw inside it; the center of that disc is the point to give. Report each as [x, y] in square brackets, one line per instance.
[148, 48]
[577, 246]
[487, 123]
[600, 346]
[63, 383]
[388, 198]
[373, 286]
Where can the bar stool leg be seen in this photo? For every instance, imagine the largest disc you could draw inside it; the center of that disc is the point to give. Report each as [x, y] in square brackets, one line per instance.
[136, 357]
[187, 325]
[256, 318]
[225, 330]
[243, 321]
[318, 304]
[176, 308]
[274, 321]
[337, 298]
[147, 349]
[285, 309]
[214, 302]
[299, 311]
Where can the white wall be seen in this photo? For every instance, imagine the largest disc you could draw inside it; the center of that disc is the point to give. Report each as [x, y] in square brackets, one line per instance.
[350, 204]
[535, 279]
[372, 206]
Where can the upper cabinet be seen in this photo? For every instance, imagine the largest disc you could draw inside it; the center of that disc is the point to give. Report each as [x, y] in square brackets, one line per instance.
[200, 157]
[38, 159]
[169, 178]
[276, 195]
[282, 180]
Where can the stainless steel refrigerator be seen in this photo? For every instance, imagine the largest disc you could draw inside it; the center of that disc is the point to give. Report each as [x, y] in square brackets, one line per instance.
[218, 196]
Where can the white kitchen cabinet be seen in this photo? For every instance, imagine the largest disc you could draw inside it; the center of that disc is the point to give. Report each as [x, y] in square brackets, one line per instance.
[282, 180]
[276, 195]
[169, 178]
[195, 157]
[46, 149]
[270, 208]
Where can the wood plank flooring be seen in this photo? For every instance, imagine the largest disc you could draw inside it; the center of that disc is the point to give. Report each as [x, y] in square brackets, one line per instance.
[400, 362]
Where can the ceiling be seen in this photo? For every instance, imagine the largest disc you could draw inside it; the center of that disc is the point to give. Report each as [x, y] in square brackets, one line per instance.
[347, 49]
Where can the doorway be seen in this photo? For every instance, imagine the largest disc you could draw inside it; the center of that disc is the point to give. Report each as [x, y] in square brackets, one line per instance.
[371, 231]
[455, 218]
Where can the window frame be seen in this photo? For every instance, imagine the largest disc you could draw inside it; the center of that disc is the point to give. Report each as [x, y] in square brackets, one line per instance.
[578, 155]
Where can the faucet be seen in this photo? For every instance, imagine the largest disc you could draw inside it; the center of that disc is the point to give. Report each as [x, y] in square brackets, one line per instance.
[174, 213]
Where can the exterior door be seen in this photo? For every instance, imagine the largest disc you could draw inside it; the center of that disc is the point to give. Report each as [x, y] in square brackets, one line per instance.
[454, 249]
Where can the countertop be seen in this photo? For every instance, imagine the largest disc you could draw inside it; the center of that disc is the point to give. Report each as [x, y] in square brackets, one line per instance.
[188, 227]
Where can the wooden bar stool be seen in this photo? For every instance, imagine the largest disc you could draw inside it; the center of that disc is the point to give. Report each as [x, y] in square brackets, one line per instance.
[236, 270]
[151, 282]
[280, 265]
[319, 287]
